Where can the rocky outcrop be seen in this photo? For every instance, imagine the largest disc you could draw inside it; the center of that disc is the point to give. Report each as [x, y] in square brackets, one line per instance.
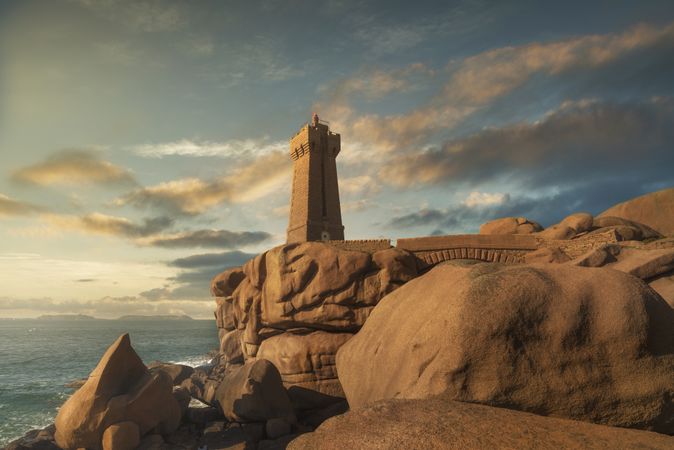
[307, 366]
[510, 225]
[440, 423]
[120, 389]
[591, 344]
[628, 230]
[296, 304]
[655, 210]
[652, 263]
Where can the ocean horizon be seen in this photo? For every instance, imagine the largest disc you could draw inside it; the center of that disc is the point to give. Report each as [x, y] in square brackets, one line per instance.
[40, 356]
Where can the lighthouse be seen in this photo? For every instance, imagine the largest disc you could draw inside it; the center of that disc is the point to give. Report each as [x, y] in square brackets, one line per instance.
[315, 213]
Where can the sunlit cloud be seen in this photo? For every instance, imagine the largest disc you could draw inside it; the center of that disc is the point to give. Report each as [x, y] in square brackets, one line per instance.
[103, 224]
[484, 198]
[476, 81]
[206, 238]
[235, 148]
[72, 167]
[191, 196]
[361, 185]
[12, 207]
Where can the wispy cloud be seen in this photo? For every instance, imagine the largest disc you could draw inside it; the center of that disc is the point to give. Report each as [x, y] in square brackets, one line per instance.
[374, 84]
[192, 196]
[11, 207]
[73, 166]
[475, 82]
[155, 231]
[206, 239]
[225, 259]
[97, 223]
[359, 186]
[235, 148]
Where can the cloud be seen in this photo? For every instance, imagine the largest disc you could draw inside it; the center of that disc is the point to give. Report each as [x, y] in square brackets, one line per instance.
[194, 281]
[234, 148]
[484, 198]
[97, 223]
[192, 196]
[73, 166]
[225, 259]
[477, 81]
[362, 185]
[206, 239]
[11, 207]
[358, 205]
[155, 294]
[152, 231]
[374, 84]
[578, 142]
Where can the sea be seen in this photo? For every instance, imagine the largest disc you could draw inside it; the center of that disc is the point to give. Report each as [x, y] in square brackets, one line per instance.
[39, 357]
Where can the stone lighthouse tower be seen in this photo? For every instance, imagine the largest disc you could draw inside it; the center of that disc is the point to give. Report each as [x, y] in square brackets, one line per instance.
[315, 214]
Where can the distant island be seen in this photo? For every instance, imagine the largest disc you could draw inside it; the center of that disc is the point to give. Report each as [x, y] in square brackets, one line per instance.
[65, 317]
[161, 317]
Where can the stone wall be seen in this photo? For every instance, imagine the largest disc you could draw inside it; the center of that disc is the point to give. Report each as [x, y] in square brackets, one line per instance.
[362, 245]
[581, 244]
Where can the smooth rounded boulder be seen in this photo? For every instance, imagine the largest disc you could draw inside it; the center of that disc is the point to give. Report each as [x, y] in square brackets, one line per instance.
[510, 225]
[254, 392]
[656, 210]
[439, 423]
[306, 363]
[121, 436]
[590, 344]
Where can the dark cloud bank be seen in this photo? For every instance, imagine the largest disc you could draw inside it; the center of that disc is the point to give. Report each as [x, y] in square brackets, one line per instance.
[591, 155]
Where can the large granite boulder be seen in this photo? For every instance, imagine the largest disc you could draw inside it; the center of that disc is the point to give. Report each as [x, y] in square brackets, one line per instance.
[656, 210]
[254, 392]
[307, 366]
[591, 344]
[305, 286]
[441, 423]
[653, 264]
[629, 230]
[120, 389]
[121, 436]
[510, 225]
[664, 286]
[569, 227]
[177, 372]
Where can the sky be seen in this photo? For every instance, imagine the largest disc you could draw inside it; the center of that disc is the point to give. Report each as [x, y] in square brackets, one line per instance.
[144, 144]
